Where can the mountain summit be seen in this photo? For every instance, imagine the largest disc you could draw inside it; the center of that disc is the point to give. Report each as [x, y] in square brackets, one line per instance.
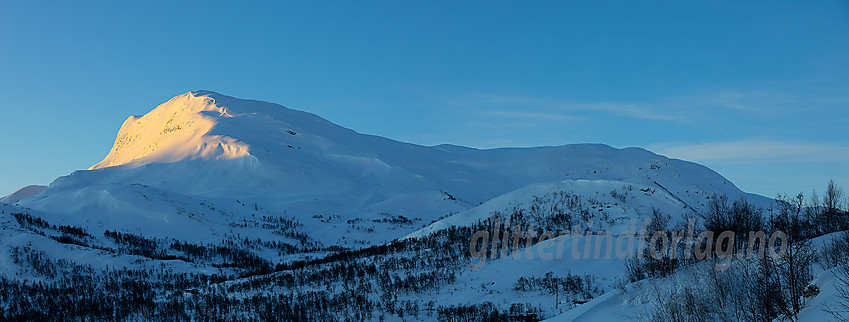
[194, 126]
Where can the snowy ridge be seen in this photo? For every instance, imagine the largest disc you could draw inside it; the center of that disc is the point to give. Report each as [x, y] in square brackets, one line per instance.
[23, 193]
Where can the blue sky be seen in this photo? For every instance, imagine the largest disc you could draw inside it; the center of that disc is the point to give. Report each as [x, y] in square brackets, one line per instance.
[757, 90]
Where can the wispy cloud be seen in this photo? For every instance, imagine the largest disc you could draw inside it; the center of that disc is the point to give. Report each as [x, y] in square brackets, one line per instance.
[542, 108]
[750, 151]
[531, 115]
[694, 107]
[763, 101]
[778, 100]
[637, 111]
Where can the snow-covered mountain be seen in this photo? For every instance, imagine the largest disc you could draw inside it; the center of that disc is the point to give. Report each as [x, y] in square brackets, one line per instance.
[208, 182]
[206, 145]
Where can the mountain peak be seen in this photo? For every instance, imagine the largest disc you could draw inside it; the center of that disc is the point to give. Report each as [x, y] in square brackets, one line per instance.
[178, 129]
[203, 92]
[205, 125]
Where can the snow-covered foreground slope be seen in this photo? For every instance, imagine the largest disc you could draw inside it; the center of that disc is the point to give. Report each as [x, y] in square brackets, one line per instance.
[638, 301]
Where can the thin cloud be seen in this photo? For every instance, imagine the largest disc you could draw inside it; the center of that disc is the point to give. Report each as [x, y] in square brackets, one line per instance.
[530, 115]
[540, 108]
[749, 151]
[760, 101]
[752, 101]
[636, 111]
